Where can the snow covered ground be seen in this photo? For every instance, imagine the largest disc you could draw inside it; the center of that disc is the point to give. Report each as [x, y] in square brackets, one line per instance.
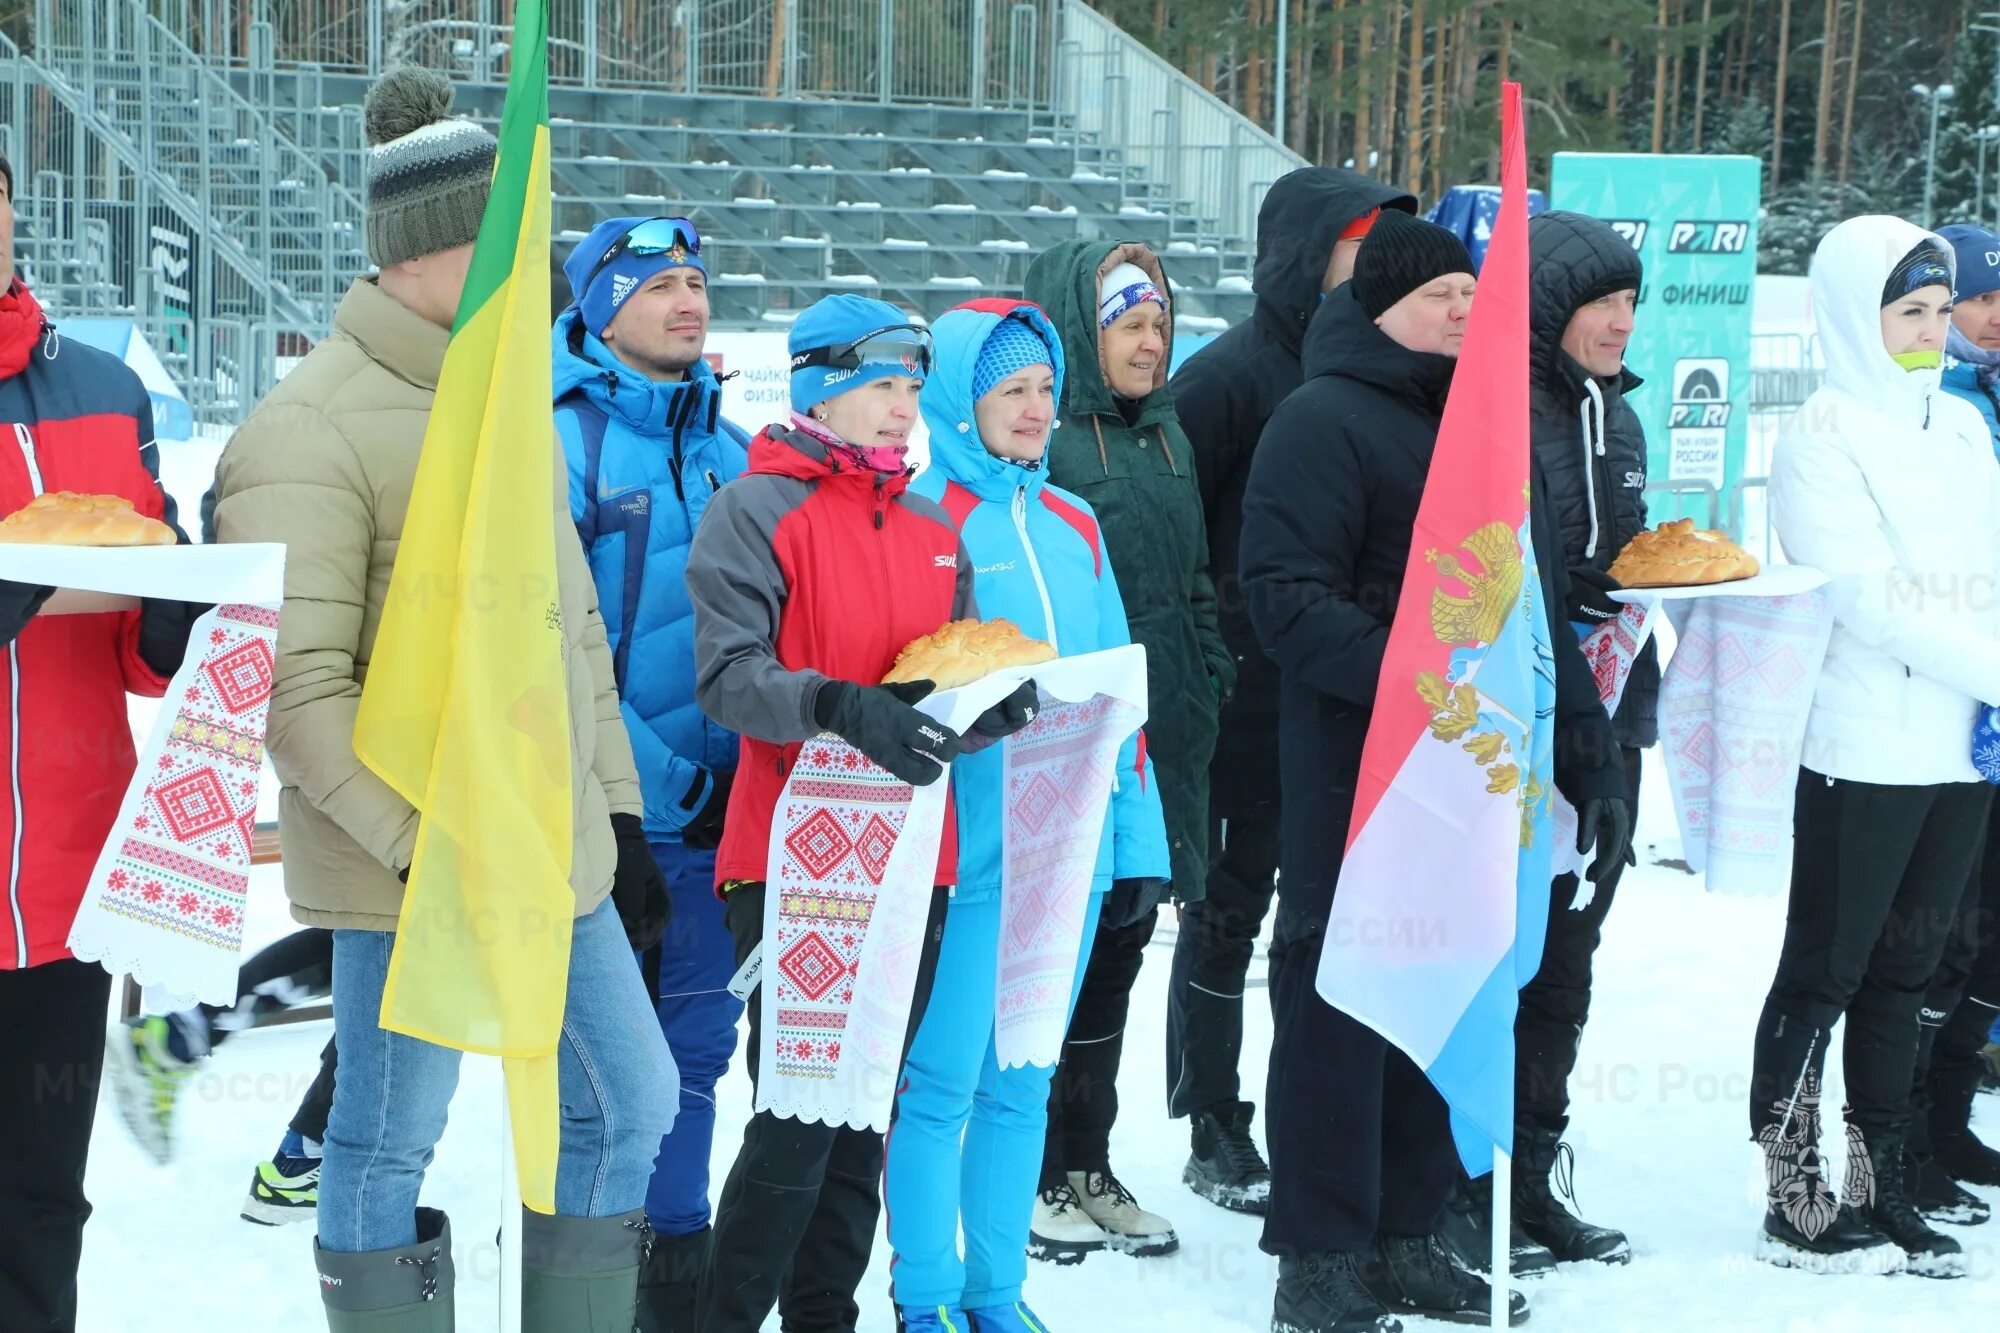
[1659, 1130]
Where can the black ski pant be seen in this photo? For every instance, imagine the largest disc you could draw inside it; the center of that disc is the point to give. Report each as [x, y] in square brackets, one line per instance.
[309, 1121]
[1548, 1029]
[278, 977]
[1083, 1094]
[1959, 1007]
[1360, 1141]
[1878, 874]
[796, 1218]
[54, 1017]
[1218, 935]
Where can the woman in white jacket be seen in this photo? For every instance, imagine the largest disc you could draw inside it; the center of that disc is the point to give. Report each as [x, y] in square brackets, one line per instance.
[1890, 485]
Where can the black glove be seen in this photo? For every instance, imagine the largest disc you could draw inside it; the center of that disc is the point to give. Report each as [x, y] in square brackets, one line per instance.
[1587, 596]
[164, 627]
[638, 889]
[703, 833]
[879, 721]
[18, 604]
[1129, 902]
[1011, 714]
[1607, 823]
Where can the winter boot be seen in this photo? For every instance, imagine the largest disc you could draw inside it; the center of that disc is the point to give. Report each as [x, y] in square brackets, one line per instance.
[1954, 1147]
[581, 1274]
[930, 1319]
[1223, 1164]
[1885, 1201]
[146, 1078]
[1060, 1232]
[1544, 1156]
[670, 1281]
[406, 1290]
[1322, 1293]
[1467, 1234]
[1939, 1197]
[1413, 1275]
[1128, 1228]
[1013, 1317]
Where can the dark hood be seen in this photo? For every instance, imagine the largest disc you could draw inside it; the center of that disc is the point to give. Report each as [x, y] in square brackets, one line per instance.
[1063, 280]
[1572, 259]
[1343, 341]
[1302, 216]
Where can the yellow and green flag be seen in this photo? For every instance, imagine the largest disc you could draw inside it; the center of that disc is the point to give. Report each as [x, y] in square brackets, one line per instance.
[465, 712]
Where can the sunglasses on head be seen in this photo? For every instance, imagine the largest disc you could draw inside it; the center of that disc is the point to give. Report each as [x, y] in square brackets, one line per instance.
[906, 345]
[654, 236]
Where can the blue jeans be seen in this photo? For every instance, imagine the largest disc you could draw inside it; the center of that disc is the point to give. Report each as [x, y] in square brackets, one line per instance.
[618, 1087]
[953, 1085]
[697, 958]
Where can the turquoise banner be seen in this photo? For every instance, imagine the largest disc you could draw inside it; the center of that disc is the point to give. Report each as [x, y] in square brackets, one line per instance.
[1693, 221]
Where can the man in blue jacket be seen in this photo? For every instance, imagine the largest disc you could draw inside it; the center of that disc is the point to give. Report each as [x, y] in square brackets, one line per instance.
[1972, 345]
[639, 412]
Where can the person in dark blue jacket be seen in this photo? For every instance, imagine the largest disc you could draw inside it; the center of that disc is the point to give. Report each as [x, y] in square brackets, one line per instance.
[1972, 344]
[639, 412]
[1039, 561]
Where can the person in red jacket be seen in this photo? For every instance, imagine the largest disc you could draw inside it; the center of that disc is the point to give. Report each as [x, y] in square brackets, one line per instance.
[71, 419]
[809, 573]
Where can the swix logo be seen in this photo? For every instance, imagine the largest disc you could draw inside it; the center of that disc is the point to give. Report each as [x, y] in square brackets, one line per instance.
[1632, 229]
[1634, 480]
[1706, 236]
[946, 561]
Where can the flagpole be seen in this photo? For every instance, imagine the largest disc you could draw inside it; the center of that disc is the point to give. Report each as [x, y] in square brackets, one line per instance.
[510, 1224]
[1503, 1230]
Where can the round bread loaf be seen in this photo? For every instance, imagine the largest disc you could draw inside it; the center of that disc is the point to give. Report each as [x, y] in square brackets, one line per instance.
[967, 650]
[66, 518]
[1679, 555]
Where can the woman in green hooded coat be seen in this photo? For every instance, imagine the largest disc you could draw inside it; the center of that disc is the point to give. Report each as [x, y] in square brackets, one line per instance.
[1119, 446]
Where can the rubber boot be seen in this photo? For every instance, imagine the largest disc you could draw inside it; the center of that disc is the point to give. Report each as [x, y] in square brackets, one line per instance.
[669, 1283]
[404, 1290]
[581, 1274]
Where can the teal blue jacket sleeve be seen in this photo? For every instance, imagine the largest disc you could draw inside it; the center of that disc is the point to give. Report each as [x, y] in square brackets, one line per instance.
[1138, 821]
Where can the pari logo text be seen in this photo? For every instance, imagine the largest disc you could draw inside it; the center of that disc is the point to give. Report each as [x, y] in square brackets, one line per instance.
[1708, 236]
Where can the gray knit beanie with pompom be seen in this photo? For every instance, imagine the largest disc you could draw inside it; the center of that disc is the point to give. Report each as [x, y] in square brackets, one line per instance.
[428, 171]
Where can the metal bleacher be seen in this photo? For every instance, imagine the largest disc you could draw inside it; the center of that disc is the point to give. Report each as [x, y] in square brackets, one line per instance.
[922, 205]
[198, 164]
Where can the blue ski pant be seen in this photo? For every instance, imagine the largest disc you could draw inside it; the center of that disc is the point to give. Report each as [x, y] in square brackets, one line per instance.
[966, 1143]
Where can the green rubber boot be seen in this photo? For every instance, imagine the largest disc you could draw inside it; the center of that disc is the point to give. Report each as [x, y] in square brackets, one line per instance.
[406, 1290]
[581, 1274]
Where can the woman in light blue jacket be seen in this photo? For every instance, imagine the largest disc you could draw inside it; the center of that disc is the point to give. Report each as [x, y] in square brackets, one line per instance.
[1038, 561]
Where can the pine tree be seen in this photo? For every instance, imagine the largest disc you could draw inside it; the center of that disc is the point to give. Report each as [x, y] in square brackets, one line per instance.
[1971, 108]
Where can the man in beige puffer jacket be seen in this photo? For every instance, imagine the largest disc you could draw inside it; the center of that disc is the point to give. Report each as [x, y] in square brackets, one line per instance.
[326, 465]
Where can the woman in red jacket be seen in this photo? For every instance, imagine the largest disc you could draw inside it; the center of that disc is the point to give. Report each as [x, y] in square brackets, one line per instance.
[71, 418]
[809, 573]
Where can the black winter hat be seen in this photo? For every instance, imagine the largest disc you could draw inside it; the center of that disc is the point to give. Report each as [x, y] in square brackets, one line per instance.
[1402, 253]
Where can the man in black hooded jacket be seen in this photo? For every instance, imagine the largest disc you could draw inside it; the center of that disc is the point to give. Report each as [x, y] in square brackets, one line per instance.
[1361, 1149]
[1308, 230]
[1583, 287]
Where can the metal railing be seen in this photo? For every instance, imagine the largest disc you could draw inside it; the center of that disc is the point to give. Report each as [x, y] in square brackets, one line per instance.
[184, 123]
[1208, 160]
[101, 230]
[955, 52]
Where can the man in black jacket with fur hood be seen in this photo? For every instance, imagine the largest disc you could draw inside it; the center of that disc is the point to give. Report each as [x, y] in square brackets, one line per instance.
[1583, 287]
[1308, 230]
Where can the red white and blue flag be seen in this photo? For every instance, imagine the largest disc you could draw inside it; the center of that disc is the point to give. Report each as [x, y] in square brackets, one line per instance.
[1443, 896]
